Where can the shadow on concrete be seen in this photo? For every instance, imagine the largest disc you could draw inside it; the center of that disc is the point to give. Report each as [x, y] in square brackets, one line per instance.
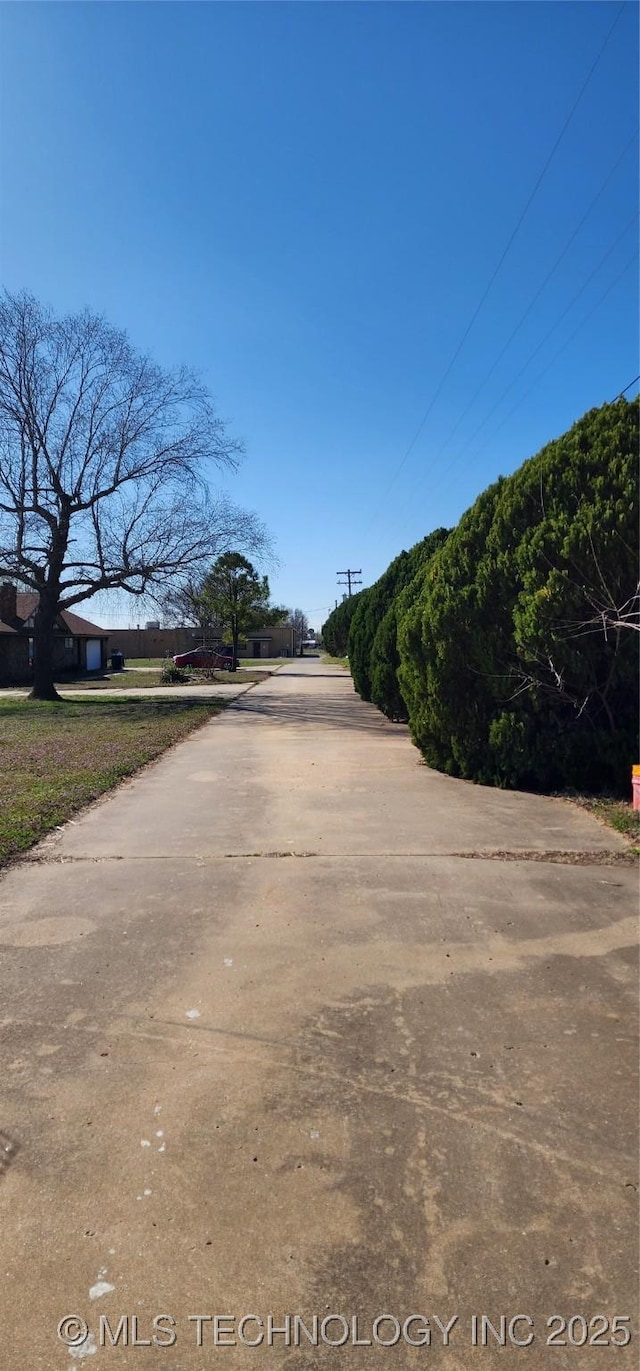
[318, 712]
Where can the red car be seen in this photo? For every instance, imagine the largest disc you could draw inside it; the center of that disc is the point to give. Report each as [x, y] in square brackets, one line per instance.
[203, 656]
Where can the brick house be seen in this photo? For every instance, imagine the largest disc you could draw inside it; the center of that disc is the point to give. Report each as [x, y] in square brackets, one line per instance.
[78, 645]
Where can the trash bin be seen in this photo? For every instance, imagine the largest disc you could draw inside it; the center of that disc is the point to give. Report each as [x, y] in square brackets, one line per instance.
[117, 661]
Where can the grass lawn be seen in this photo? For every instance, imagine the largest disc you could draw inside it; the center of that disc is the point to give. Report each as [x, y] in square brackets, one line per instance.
[259, 662]
[110, 680]
[336, 661]
[55, 758]
[144, 680]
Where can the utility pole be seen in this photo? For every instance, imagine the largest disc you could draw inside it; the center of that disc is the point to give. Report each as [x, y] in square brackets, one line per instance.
[351, 579]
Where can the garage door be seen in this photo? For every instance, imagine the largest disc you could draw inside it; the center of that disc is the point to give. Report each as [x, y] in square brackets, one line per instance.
[94, 654]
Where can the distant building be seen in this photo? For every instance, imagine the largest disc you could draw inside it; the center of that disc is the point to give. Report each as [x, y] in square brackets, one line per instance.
[168, 642]
[269, 642]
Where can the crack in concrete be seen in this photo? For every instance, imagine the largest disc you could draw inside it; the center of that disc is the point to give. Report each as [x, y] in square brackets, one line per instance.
[551, 856]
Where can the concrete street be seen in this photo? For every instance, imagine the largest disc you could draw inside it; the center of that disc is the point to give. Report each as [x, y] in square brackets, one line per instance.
[293, 1025]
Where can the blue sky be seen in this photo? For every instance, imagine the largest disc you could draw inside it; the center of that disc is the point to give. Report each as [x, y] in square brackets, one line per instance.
[306, 202]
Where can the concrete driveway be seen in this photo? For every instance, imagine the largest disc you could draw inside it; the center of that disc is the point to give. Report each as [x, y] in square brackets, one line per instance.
[293, 1026]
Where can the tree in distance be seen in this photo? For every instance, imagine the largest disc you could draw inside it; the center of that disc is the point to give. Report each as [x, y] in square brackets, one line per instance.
[104, 466]
[300, 625]
[237, 599]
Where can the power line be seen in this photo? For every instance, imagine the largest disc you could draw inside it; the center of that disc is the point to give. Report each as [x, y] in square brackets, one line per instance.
[530, 359]
[600, 301]
[537, 295]
[558, 321]
[623, 392]
[497, 269]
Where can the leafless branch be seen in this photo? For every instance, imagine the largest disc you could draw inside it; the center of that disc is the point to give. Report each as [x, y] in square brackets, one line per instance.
[106, 462]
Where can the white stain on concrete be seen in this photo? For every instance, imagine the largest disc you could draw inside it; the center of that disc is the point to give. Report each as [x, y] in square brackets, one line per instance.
[86, 1348]
[159, 1134]
[192, 1013]
[157, 1109]
[228, 961]
[99, 1289]
[162, 1147]
[144, 1142]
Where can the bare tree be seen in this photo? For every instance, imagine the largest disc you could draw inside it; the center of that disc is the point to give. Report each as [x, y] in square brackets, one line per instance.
[609, 616]
[300, 625]
[184, 602]
[104, 465]
[605, 604]
[608, 608]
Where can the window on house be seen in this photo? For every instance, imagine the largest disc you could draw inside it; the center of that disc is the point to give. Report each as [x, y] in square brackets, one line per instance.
[68, 644]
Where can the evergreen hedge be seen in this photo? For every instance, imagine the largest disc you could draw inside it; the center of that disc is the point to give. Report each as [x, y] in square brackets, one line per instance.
[374, 604]
[510, 675]
[335, 632]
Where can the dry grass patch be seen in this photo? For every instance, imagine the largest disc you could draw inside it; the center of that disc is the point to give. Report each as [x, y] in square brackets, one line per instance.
[616, 813]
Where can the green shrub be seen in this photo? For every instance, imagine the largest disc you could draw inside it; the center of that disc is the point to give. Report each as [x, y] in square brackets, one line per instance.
[335, 632]
[374, 602]
[173, 675]
[511, 666]
[383, 656]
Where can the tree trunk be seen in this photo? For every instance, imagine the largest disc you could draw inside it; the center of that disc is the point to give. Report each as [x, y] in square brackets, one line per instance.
[43, 637]
[235, 639]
